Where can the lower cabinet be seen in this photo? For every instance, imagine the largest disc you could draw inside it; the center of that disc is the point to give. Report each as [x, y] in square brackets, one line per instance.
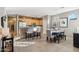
[7, 44]
[76, 40]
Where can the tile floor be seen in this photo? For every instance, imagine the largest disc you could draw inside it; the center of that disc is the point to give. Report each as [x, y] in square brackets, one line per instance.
[41, 45]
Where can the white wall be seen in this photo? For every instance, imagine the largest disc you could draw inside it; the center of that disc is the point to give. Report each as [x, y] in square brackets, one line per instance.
[2, 13]
[46, 23]
[72, 24]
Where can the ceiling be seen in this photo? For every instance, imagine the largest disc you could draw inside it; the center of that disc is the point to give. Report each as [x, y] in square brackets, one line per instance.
[38, 11]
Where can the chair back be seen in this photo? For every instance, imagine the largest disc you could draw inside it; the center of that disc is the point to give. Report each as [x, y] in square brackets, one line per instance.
[48, 33]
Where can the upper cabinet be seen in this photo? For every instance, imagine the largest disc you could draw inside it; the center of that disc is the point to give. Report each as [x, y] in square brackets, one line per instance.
[30, 20]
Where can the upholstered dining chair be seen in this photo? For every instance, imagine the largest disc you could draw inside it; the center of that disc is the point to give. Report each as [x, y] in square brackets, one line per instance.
[50, 37]
[53, 36]
[62, 35]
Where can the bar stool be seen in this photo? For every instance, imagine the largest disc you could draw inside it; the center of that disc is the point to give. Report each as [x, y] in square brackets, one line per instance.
[29, 34]
[39, 32]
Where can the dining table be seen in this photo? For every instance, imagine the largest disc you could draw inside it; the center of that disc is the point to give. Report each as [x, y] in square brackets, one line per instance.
[56, 34]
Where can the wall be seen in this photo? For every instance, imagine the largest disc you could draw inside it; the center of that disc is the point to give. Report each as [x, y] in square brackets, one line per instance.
[72, 24]
[46, 23]
[12, 22]
[2, 13]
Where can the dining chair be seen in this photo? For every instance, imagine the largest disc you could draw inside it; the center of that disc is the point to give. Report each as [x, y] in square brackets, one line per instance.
[50, 37]
[62, 35]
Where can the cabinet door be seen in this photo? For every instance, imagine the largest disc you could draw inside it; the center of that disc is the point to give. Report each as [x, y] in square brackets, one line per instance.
[76, 40]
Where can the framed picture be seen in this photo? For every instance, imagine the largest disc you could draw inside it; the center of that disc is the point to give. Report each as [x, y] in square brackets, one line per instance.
[64, 22]
[3, 20]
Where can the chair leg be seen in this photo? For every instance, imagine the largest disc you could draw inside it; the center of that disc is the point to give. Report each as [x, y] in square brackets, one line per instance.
[58, 38]
[65, 37]
[50, 39]
[54, 39]
[47, 38]
[58, 41]
[40, 35]
[28, 36]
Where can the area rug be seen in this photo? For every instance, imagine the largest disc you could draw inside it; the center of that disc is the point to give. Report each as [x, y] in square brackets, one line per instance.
[23, 44]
